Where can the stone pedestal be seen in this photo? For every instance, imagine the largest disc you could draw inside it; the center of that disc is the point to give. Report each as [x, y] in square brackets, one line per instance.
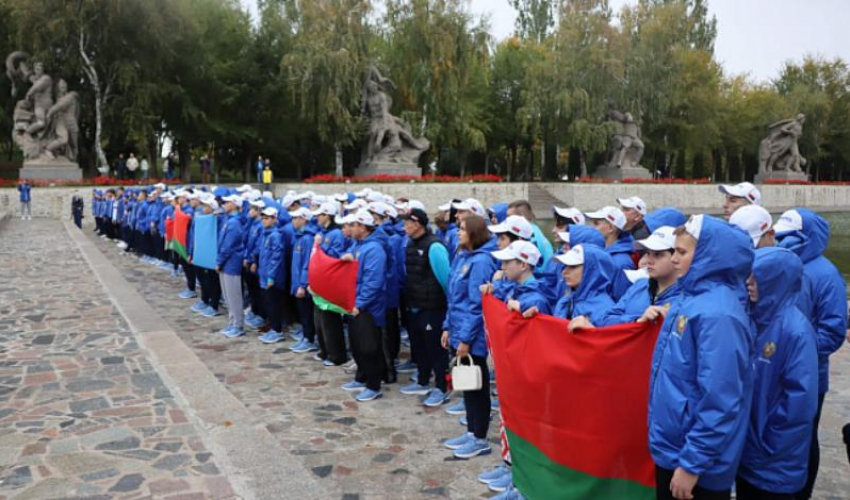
[781, 175]
[618, 174]
[65, 171]
[386, 168]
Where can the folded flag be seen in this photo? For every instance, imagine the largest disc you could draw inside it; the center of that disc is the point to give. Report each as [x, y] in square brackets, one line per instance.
[574, 405]
[177, 237]
[333, 282]
[206, 241]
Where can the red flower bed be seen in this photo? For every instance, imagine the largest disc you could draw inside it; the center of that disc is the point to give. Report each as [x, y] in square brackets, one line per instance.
[97, 181]
[594, 180]
[388, 179]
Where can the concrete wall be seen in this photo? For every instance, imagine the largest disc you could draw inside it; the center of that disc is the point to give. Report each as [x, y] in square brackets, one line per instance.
[56, 202]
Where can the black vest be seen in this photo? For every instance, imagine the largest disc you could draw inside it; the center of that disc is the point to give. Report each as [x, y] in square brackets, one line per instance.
[423, 291]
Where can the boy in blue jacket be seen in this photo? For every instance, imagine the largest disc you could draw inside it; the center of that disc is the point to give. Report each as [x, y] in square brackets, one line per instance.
[520, 290]
[611, 222]
[301, 249]
[701, 377]
[823, 300]
[271, 274]
[252, 238]
[383, 215]
[229, 265]
[587, 272]
[785, 390]
[369, 313]
[329, 327]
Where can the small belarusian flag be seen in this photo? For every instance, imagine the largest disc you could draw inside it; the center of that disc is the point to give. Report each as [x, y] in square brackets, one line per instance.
[333, 282]
[179, 230]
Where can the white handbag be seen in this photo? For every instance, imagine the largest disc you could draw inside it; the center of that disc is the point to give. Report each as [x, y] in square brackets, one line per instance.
[466, 377]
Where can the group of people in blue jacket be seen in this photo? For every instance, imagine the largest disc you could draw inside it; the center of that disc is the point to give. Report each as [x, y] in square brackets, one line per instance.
[751, 308]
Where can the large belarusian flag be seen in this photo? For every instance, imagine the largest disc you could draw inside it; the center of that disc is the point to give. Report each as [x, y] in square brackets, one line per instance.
[179, 230]
[205, 252]
[574, 405]
[333, 282]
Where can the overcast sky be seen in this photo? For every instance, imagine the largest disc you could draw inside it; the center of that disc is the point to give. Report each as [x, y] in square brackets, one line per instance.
[754, 36]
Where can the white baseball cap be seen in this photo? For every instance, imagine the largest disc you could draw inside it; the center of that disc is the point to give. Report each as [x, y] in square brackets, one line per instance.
[374, 196]
[694, 225]
[258, 203]
[523, 251]
[356, 204]
[471, 205]
[445, 207]
[743, 190]
[326, 209]
[516, 225]
[244, 188]
[362, 193]
[416, 204]
[253, 194]
[753, 219]
[379, 208]
[612, 214]
[288, 200]
[191, 196]
[564, 236]
[210, 203]
[570, 213]
[363, 217]
[270, 211]
[788, 222]
[159, 185]
[233, 198]
[341, 197]
[302, 212]
[661, 239]
[634, 203]
[635, 275]
[574, 257]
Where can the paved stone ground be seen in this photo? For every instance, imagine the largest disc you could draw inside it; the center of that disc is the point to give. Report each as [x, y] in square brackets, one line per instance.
[82, 412]
[387, 448]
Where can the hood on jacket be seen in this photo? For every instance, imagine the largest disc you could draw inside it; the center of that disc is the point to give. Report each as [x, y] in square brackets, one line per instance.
[501, 211]
[811, 242]
[597, 274]
[779, 276]
[624, 244]
[723, 256]
[585, 235]
[665, 216]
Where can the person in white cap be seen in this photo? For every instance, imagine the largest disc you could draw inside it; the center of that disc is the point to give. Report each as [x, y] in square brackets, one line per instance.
[229, 266]
[256, 316]
[271, 275]
[739, 195]
[634, 209]
[523, 208]
[514, 228]
[659, 289]
[301, 249]
[328, 324]
[369, 314]
[467, 207]
[611, 222]
[588, 272]
[565, 217]
[383, 214]
[520, 290]
[757, 222]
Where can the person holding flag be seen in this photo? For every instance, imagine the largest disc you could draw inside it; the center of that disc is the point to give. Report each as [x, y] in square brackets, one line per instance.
[328, 323]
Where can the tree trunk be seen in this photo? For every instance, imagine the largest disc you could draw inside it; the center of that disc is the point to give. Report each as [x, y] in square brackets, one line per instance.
[338, 160]
[91, 74]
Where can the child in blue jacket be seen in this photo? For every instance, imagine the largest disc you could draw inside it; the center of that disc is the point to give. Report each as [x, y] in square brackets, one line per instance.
[271, 275]
[785, 390]
[588, 271]
[303, 246]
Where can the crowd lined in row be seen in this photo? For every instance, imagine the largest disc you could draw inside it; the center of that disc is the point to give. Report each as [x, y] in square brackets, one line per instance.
[751, 309]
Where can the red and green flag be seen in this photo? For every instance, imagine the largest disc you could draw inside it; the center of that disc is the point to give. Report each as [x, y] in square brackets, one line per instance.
[333, 282]
[176, 233]
[574, 405]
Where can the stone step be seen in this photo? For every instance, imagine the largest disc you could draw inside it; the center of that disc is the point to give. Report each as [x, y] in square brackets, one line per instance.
[542, 199]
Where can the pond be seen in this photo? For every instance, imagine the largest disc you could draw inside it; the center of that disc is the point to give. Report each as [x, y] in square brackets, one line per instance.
[839, 242]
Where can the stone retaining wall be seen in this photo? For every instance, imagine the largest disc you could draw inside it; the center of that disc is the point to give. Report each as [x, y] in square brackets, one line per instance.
[56, 202]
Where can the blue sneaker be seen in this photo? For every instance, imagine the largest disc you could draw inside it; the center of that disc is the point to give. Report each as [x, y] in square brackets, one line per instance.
[302, 347]
[414, 377]
[256, 322]
[494, 404]
[501, 484]
[459, 442]
[406, 367]
[235, 332]
[298, 335]
[415, 390]
[227, 329]
[473, 448]
[271, 337]
[165, 266]
[458, 408]
[509, 494]
[463, 421]
[436, 398]
[209, 312]
[198, 307]
[173, 273]
[368, 395]
[249, 316]
[312, 347]
[328, 363]
[188, 294]
[493, 474]
[353, 386]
